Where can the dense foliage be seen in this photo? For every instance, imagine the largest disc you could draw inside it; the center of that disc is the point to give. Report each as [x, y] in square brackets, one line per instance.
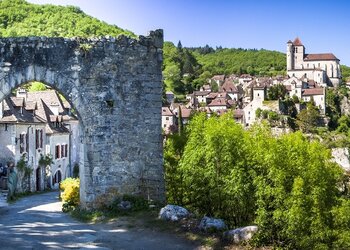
[242, 61]
[287, 185]
[19, 18]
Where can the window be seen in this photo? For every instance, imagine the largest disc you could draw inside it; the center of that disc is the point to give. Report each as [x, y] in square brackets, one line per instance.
[21, 142]
[57, 177]
[27, 143]
[6, 126]
[38, 138]
[167, 118]
[57, 152]
[66, 150]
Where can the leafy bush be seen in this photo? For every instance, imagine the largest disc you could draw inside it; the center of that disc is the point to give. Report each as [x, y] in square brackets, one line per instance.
[287, 185]
[70, 193]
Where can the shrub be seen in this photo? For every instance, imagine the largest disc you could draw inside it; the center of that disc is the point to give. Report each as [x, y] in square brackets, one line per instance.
[70, 193]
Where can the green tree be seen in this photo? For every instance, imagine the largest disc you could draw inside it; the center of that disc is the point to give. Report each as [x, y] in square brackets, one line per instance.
[308, 118]
[276, 92]
[344, 124]
[37, 86]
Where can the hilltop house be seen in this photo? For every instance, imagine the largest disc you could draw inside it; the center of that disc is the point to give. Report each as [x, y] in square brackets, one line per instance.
[323, 68]
[305, 91]
[35, 124]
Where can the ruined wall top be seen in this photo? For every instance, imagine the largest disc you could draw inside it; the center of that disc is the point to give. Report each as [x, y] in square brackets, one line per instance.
[154, 39]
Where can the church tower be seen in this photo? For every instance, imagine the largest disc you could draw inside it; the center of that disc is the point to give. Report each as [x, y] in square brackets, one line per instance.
[290, 55]
[299, 52]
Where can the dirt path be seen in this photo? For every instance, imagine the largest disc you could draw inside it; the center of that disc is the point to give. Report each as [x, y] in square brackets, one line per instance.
[36, 222]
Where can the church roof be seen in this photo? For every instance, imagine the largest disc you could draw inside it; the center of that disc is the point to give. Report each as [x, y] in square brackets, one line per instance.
[297, 42]
[320, 57]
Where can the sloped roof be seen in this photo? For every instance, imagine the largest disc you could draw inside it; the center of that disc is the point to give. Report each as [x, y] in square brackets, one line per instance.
[185, 112]
[312, 91]
[218, 77]
[17, 101]
[212, 95]
[201, 93]
[166, 112]
[238, 113]
[320, 57]
[15, 114]
[229, 86]
[219, 101]
[35, 109]
[297, 42]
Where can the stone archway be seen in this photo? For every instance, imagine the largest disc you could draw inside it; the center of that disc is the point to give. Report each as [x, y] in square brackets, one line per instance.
[115, 85]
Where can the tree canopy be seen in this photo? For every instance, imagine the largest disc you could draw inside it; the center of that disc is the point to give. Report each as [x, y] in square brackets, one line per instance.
[287, 185]
[20, 18]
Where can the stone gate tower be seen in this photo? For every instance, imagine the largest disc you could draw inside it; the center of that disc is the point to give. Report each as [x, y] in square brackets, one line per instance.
[115, 85]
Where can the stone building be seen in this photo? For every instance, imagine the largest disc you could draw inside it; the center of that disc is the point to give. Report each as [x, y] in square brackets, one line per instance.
[36, 124]
[322, 68]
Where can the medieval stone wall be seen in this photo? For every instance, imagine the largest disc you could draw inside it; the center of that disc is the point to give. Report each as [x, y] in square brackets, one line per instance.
[115, 85]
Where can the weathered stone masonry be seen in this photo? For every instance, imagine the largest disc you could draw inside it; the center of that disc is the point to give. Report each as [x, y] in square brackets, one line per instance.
[115, 85]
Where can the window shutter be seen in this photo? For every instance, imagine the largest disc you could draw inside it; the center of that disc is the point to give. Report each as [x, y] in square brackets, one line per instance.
[27, 143]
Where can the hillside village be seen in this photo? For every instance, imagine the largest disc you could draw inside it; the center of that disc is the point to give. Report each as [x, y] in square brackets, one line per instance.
[255, 98]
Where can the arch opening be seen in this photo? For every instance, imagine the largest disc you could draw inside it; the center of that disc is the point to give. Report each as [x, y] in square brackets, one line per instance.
[41, 132]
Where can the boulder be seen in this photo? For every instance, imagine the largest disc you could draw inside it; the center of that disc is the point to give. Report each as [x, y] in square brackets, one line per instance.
[173, 213]
[208, 223]
[341, 156]
[241, 234]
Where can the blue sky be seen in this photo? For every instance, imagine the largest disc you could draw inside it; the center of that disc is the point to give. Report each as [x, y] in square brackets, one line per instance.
[321, 25]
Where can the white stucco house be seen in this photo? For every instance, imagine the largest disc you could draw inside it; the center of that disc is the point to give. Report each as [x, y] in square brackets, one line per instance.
[35, 124]
[168, 120]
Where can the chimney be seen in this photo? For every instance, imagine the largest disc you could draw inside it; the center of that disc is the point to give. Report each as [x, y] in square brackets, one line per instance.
[22, 93]
[54, 108]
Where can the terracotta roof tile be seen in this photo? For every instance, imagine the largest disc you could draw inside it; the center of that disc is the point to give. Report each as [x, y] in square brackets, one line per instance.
[297, 42]
[17, 101]
[212, 95]
[229, 86]
[238, 113]
[313, 91]
[185, 112]
[166, 111]
[219, 101]
[320, 57]
[218, 77]
[201, 93]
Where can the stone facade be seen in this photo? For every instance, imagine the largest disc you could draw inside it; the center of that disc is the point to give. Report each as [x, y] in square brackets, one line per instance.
[115, 85]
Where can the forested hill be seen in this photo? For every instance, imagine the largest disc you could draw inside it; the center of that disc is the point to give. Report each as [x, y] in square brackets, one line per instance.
[186, 69]
[19, 18]
[241, 61]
